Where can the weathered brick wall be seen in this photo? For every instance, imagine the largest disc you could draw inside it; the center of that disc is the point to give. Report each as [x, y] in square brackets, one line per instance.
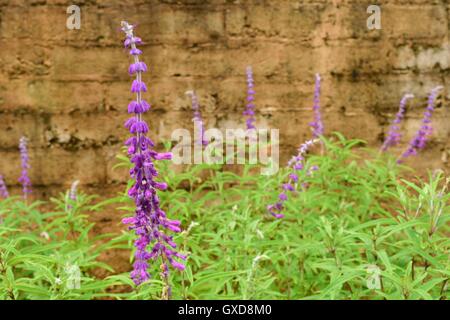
[67, 90]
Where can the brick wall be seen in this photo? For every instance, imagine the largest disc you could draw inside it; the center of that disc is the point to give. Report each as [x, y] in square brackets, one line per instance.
[67, 90]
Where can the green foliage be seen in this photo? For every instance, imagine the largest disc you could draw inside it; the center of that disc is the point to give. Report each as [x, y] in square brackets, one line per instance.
[356, 229]
[49, 254]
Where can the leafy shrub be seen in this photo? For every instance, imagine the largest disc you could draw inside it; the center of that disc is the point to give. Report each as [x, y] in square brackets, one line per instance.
[355, 230]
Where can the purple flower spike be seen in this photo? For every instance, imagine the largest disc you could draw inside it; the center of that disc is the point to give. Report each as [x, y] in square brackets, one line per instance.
[150, 222]
[197, 118]
[138, 85]
[135, 51]
[418, 142]
[317, 124]
[250, 108]
[25, 162]
[393, 136]
[3, 190]
[297, 164]
[135, 40]
[138, 66]
[73, 190]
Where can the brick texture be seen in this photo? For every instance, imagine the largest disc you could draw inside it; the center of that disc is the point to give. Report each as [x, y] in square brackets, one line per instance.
[67, 90]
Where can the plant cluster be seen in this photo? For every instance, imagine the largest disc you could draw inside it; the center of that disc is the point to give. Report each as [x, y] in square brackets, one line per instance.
[347, 226]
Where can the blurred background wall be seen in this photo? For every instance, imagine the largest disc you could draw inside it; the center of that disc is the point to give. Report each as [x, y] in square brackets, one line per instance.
[68, 90]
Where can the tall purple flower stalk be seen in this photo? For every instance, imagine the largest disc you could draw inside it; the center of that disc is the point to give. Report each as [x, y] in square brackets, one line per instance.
[393, 136]
[419, 141]
[250, 107]
[150, 222]
[317, 125]
[3, 190]
[25, 163]
[197, 118]
[297, 164]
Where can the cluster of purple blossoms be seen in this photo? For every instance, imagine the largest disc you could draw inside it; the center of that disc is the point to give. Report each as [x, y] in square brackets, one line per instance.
[250, 107]
[3, 190]
[150, 221]
[297, 164]
[393, 136]
[197, 118]
[317, 125]
[25, 163]
[420, 139]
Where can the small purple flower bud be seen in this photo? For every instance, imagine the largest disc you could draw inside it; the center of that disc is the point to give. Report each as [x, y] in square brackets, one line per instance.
[138, 66]
[160, 185]
[130, 122]
[73, 192]
[298, 166]
[145, 106]
[132, 40]
[132, 69]
[288, 187]
[163, 156]
[282, 197]
[24, 179]
[139, 127]
[3, 190]
[177, 265]
[317, 125]
[129, 220]
[173, 228]
[132, 106]
[138, 86]
[135, 52]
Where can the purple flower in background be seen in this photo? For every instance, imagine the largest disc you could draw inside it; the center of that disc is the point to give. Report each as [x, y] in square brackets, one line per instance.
[311, 170]
[297, 164]
[317, 124]
[73, 190]
[3, 190]
[393, 136]
[25, 163]
[420, 139]
[250, 107]
[150, 222]
[197, 118]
